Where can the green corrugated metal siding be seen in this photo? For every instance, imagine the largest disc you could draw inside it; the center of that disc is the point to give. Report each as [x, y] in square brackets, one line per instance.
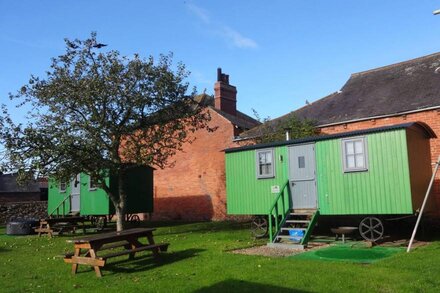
[383, 189]
[93, 202]
[245, 193]
[55, 197]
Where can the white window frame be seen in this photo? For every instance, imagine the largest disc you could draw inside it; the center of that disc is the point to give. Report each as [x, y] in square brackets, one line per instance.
[92, 188]
[62, 190]
[363, 168]
[257, 164]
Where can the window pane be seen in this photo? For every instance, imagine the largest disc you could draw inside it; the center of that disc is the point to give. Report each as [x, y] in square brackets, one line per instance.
[350, 161]
[360, 161]
[349, 147]
[301, 162]
[265, 169]
[268, 157]
[261, 158]
[359, 147]
[93, 184]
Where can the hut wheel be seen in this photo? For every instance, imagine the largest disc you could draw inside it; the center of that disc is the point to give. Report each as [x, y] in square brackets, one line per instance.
[100, 223]
[371, 229]
[259, 226]
[135, 218]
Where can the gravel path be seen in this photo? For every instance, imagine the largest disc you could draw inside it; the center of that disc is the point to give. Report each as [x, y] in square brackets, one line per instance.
[274, 251]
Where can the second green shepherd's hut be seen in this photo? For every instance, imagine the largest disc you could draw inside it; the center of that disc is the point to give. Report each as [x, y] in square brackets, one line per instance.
[81, 195]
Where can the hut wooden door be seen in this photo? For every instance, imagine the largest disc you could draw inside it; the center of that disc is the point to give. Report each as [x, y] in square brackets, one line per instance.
[302, 176]
[75, 194]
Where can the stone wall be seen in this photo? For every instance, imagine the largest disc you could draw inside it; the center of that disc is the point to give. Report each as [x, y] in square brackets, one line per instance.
[22, 210]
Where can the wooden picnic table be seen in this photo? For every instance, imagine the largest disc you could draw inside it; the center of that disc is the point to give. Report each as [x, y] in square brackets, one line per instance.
[87, 250]
[60, 224]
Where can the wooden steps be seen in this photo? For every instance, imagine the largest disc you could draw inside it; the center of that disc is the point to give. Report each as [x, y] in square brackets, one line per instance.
[298, 221]
[302, 220]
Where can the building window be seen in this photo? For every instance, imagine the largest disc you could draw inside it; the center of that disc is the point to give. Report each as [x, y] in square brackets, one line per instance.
[63, 186]
[265, 165]
[354, 154]
[93, 184]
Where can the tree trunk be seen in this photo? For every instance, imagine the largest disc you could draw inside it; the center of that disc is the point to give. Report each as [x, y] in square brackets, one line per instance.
[121, 206]
[120, 216]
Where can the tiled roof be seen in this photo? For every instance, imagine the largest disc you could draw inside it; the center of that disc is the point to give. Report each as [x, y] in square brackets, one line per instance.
[8, 183]
[398, 88]
[413, 125]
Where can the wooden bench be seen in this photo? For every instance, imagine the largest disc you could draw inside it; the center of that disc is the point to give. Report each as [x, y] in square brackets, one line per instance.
[88, 249]
[52, 226]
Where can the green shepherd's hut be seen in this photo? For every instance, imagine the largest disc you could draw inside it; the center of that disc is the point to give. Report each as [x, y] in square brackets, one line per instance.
[81, 195]
[372, 174]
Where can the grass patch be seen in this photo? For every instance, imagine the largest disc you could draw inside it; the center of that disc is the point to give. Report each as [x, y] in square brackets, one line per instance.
[199, 261]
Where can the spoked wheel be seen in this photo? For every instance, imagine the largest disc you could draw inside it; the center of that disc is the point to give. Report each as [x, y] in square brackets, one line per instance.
[135, 219]
[259, 227]
[100, 223]
[371, 229]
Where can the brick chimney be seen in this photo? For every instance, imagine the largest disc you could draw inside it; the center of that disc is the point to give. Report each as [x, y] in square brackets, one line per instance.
[225, 96]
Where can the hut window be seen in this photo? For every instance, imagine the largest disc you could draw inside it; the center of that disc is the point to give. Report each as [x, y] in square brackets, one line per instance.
[93, 185]
[63, 186]
[354, 151]
[265, 168]
[301, 162]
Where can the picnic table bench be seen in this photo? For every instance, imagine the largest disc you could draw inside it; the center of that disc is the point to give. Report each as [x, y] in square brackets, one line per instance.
[87, 250]
[60, 225]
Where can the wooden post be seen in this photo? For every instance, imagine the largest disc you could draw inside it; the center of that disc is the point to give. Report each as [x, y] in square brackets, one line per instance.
[270, 228]
[423, 204]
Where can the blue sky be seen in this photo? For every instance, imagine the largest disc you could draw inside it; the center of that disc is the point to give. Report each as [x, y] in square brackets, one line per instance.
[278, 53]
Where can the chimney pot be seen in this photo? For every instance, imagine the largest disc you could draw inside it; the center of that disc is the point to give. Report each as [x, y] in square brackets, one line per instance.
[219, 74]
[287, 130]
[225, 97]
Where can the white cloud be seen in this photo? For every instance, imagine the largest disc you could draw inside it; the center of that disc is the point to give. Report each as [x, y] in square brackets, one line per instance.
[230, 35]
[201, 13]
[237, 39]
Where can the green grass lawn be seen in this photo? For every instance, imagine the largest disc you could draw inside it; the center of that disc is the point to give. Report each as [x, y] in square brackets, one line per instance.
[199, 260]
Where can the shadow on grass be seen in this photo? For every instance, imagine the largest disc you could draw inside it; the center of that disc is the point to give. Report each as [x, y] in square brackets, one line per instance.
[244, 286]
[196, 227]
[145, 262]
[2, 249]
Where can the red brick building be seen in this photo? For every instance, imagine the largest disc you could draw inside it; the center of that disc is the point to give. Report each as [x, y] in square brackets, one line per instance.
[194, 188]
[403, 92]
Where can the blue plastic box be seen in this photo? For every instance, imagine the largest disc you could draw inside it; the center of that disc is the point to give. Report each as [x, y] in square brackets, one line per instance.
[296, 234]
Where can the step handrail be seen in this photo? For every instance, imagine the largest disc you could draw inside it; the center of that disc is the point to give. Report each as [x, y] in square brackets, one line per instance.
[284, 195]
[63, 203]
[309, 230]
